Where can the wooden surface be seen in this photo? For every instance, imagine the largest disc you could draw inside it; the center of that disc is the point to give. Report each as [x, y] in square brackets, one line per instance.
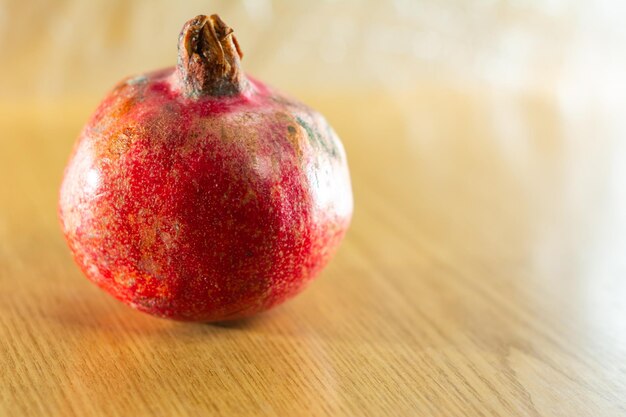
[483, 276]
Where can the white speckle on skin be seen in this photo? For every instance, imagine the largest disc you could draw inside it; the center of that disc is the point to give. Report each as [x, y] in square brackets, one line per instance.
[92, 180]
[263, 166]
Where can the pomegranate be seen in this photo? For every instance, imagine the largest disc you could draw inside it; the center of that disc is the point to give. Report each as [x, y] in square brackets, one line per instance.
[198, 193]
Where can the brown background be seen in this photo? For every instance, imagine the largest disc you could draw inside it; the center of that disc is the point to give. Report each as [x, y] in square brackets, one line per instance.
[484, 271]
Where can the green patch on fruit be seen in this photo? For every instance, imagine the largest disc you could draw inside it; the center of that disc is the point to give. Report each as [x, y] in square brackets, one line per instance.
[317, 140]
[139, 79]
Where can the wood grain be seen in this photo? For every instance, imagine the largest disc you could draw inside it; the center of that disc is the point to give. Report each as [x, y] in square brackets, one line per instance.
[483, 276]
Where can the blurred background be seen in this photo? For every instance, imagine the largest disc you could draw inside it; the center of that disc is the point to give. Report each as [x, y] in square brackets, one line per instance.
[570, 49]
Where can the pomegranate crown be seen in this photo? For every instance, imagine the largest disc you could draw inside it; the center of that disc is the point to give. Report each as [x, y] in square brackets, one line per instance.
[209, 59]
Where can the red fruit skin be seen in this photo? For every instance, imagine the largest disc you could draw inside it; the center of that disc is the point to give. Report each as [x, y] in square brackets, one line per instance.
[204, 209]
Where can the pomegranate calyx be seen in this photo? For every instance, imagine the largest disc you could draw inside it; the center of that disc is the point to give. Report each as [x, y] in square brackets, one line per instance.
[209, 59]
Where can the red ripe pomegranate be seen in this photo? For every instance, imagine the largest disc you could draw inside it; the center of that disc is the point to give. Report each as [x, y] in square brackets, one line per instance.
[198, 193]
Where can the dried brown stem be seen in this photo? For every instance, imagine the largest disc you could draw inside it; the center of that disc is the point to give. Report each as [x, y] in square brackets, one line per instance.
[209, 59]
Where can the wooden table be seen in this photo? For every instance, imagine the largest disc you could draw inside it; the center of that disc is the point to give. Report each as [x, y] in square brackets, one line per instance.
[484, 275]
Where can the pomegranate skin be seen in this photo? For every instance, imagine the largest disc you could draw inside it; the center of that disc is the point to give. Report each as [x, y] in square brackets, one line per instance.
[204, 208]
